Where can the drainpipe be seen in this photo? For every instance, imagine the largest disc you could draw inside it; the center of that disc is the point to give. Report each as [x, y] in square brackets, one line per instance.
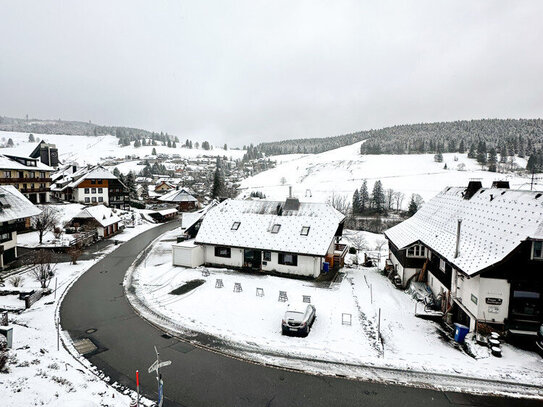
[290, 191]
[459, 226]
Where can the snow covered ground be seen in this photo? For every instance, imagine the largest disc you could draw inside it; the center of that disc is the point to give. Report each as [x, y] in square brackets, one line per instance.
[41, 374]
[316, 177]
[91, 150]
[250, 326]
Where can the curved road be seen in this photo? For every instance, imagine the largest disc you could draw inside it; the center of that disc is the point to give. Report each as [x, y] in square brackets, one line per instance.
[201, 378]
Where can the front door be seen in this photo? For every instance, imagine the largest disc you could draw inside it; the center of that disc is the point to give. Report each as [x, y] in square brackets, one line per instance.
[252, 259]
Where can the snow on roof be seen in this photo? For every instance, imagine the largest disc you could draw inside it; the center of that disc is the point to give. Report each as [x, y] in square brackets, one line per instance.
[167, 211]
[190, 218]
[12, 164]
[102, 214]
[494, 222]
[88, 172]
[256, 224]
[14, 205]
[178, 195]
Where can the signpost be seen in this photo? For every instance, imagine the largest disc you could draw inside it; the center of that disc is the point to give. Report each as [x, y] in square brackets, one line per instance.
[138, 387]
[157, 364]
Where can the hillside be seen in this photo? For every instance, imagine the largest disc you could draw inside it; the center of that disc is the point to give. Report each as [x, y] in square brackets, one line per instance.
[316, 177]
[519, 136]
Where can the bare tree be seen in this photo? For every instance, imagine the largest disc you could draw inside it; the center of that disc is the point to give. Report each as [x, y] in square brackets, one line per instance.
[45, 221]
[283, 181]
[389, 198]
[75, 252]
[358, 241]
[398, 198]
[44, 267]
[340, 202]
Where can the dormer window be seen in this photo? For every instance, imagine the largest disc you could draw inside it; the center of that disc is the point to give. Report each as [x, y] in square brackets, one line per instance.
[416, 250]
[275, 228]
[537, 250]
[305, 230]
[235, 226]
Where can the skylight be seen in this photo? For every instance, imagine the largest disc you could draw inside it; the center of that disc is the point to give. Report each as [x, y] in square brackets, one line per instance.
[275, 228]
[235, 225]
[305, 230]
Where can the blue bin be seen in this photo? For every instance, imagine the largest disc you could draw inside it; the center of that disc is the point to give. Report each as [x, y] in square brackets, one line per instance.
[460, 332]
[325, 267]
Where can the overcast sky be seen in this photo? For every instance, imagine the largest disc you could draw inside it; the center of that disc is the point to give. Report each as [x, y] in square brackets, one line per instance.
[242, 71]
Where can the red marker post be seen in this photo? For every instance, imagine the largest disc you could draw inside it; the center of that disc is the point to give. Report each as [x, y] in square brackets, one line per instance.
[138, 386]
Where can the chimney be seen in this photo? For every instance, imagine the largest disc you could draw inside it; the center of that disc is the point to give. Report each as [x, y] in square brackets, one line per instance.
[458, 227]
[290, 191]
[473, 187]
[500, 184]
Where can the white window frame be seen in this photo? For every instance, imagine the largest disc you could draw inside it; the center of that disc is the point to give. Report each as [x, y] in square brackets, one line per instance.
[442, 265]
[305, 230]
[276, 228]
[235, 225]
[419, 251]
[534, 257]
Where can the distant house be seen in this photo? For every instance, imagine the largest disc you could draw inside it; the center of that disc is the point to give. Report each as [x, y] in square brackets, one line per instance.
[182, 198]
[14, 208]
[30, 176]
[100, 218]
[164, 214]
[163, 186]
[480, 250]
[288, 237]
[91, 185]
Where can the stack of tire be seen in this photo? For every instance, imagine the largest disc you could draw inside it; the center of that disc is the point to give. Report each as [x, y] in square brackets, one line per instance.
[494, 343]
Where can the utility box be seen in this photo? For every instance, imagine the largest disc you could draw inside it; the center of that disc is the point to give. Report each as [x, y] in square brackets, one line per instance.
[7, 331]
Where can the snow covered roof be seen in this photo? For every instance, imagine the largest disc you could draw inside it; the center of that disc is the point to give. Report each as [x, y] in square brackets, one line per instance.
[179, 195]
[494, 222]
[255, 224]
[190, 218]
[166, 211]
[14, 205]
[102, 214]
[88, 172]
[11, 164]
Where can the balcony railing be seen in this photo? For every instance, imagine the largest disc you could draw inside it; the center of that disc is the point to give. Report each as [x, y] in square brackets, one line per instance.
[23, 180]
[40, 189]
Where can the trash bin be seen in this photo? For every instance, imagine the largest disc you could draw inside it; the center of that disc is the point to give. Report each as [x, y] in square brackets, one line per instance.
[325, 267]
[460, 332]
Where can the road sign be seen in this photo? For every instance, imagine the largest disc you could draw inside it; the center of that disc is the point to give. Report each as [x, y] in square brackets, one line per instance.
[156, 365]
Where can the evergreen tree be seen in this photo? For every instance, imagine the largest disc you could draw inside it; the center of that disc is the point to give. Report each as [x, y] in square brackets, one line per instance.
[481, 153]
[137, 143]
[31, 138]
[143, 143]
[492, 160]
[462, 147]
[364, 197]
[378, 197]
[472, 153]
[130, 182]
[356, 202]
[10, 143]
[154, 151]
[413, 208]
[116, 172]
[169, 143]
[174, 145]
[225, 147]
[218, 189]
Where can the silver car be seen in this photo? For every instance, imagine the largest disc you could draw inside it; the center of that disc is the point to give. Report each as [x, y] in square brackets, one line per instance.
[298, 319]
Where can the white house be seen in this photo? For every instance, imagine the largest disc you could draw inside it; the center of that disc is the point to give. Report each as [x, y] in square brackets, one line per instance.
[14, 208]
[289, 237]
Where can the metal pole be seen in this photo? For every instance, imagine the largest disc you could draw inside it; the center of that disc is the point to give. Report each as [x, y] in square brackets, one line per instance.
[56, 280]
[379, 324]
[138, 387]
[157, 372]
[371, 293]
[58, 334]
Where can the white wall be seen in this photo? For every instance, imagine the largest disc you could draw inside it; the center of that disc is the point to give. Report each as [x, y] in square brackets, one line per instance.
[235, 259]
[9, 244]
[80, 195]
[187, 256]
[404, 273]
[306, 266]
[494, 288]
[436, 286]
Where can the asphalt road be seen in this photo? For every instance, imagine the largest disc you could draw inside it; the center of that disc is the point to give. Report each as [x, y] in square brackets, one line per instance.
[201, 378]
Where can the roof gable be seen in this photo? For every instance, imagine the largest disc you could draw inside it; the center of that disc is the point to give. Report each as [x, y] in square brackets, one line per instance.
[14, 205]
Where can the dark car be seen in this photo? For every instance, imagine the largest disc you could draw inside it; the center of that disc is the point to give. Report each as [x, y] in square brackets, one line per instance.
[298, 319]
[539, 340]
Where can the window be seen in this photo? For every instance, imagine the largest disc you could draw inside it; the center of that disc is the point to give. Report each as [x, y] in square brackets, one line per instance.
[100, 190]
[222, 251]
[5, 236]
[288, 259]
[305, 230]
[417, 250]
[87, 190]
[93, 181]
[537, 251]
[275, 228]
[442, 264]
[42, 174]
[235, 225]
[87, 199]
[32, 174]
[266, 256]
[100, 199]
[99, 181]
[93, 190]
[7, 174]
[93, 199]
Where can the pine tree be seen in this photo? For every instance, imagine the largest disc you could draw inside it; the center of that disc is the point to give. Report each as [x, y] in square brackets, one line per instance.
[356, 202]
[154, 151]
[174, 145]
[217, 189]
[169, 143]
[116, 172]
[378, 197]
[225, 147]
[31, 138]
[472, 153]
[492, 160]
[462, 147]
[364, 197]
[10, 143]
[137, 143]
[413, 208]
[481, 153]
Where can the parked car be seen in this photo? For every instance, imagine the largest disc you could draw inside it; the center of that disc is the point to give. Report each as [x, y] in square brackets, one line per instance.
[298, 319]
[539, 340]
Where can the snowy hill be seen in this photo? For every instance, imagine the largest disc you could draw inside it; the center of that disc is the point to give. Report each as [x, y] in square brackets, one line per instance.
[91, 150]
[317, 176]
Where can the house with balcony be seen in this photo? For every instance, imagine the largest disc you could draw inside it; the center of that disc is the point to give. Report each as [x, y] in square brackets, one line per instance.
[28, 175]
[92, 185]
[14, 209]
[284, 237]
[481, 251]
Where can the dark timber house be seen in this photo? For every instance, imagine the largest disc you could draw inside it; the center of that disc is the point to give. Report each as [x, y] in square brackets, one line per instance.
[480, 249]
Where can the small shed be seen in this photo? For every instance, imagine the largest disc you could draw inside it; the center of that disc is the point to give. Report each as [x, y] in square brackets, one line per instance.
[164, 215]
[187, 254]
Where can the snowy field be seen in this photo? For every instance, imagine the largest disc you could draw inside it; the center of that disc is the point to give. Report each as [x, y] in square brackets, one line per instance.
[91, 150]
[315, 177]
[250, 326]
[39, 374]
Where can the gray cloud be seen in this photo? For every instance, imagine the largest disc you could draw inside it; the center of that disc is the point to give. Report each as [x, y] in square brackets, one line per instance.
[247, 71]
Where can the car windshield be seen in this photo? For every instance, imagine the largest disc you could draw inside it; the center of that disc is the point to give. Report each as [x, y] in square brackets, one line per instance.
[294, 315]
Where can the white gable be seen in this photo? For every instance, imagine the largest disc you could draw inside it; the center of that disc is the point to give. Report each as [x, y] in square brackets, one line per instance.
[102, 214]
[494, 222]
[14, 205]
[256, 223]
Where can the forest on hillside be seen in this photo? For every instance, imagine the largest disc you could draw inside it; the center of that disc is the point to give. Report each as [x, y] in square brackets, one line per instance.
[521, 137]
